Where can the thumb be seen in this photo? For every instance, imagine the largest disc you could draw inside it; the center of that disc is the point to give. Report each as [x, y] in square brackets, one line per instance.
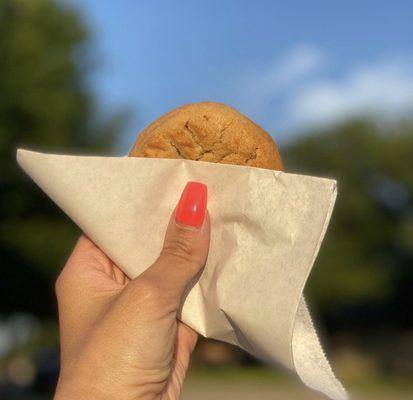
[186, 243]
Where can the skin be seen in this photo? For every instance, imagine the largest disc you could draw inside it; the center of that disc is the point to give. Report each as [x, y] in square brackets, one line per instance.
[120, 338]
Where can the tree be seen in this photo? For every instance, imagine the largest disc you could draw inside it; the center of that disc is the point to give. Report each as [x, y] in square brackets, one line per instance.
[364, 274]
[45, 105]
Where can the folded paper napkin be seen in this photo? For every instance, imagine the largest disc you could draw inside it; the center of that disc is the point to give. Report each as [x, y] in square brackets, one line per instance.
[267, 227]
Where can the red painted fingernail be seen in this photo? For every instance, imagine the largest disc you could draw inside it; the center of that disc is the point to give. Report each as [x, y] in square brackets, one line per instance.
[192, 205]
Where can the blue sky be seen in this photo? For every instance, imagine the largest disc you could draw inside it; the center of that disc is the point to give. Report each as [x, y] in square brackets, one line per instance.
[287, 65]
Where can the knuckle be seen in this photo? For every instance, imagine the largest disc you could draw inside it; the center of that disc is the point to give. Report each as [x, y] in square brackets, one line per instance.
[150, 292]
[146, 292]
[181, 248]
[142, 288]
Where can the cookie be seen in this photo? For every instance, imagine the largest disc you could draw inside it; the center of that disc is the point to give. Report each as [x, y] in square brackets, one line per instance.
[208, 131]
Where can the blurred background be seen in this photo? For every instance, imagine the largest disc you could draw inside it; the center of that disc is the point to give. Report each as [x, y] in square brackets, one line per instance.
[333, 84]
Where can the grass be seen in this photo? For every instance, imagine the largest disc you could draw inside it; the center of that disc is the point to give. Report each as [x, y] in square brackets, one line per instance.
[232, 383]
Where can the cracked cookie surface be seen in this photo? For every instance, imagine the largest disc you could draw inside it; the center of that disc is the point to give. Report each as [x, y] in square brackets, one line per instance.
[210, 132]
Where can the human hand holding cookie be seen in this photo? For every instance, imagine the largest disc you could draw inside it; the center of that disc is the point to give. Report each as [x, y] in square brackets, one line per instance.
[120, 338]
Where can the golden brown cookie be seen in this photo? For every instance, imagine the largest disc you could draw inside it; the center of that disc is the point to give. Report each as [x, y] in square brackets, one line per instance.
[210, 132]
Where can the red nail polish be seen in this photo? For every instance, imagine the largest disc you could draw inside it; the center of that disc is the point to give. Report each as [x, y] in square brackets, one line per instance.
[192, 205]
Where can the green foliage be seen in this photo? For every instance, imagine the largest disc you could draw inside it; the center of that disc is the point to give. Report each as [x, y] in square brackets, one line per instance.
[45, 105]
[367, 257]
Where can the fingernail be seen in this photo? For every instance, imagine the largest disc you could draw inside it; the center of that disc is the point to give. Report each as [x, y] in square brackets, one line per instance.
[192, 205]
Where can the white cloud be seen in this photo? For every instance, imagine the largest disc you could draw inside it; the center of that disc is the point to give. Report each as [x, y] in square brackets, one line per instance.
[305, 89]
[384, 89]
[299, 62]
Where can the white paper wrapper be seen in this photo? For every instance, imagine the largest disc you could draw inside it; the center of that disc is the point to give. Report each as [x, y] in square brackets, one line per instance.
[267, 227]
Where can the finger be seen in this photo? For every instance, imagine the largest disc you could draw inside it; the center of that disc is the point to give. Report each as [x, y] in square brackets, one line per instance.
[88, 274]
[186, 244]
[186, 339]
[84, 288]
[184, 345]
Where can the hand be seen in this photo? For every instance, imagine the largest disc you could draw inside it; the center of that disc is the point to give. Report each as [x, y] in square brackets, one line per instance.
[120, 338]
